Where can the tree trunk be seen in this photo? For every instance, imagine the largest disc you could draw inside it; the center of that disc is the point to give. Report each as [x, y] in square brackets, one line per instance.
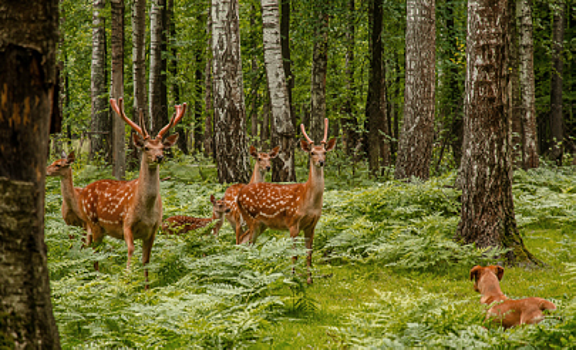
[384, 130]
[350, 124]
[229, 108]
[487, 216]
[254, 99]
[514, 86]
[318, 78]
[198, 120]
[375, 115]
[556, 120]
[139, 72]
[287, 62]
[527, 85]
[416, 140]
[209, 149]
[283, 131]
[100, 118]
[118, 131]
[28, 39]
[157, 89]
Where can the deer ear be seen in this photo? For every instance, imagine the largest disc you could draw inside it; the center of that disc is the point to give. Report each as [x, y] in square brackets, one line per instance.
[138, 142]
[475, 272]
[212, 199]
[253, 152]
[305, 146]
[331, 144]
[499, 272]
[170, 141]
[274, 152]
[70, 158]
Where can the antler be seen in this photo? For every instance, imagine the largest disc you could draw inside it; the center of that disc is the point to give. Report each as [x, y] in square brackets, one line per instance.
[325, 130]
[120, 112]
[143, 123]
[180, 111]
[304, 132]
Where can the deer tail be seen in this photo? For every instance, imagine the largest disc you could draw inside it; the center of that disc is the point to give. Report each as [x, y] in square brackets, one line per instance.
[546, 305]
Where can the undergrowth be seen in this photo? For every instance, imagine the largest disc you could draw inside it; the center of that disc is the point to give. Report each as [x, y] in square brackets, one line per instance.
[390, 242]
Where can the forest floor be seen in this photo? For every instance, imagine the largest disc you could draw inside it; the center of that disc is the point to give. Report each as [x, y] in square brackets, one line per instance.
[386, 272]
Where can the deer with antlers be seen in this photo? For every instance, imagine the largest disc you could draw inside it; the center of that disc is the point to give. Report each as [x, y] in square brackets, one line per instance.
[293, 207]
[131, 210]
[179, 224]
[261, 166]
[70, 208]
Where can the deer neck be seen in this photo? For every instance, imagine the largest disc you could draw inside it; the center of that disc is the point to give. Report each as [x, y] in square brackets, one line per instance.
[257, 175]
[219, 218]
[67, 189]
[315, 186]
[148, 185]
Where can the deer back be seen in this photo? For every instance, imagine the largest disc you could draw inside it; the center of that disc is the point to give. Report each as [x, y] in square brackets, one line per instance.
[179, 224]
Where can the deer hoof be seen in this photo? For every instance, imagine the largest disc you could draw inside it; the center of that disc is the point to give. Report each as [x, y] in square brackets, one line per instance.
[309, 280]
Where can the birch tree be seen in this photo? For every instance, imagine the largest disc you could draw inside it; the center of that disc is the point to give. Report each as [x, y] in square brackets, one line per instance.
[283, 131]
[229, 109]
[157, 89]
[138, 70]
[415, 145]
[28, 39]
[100, 125]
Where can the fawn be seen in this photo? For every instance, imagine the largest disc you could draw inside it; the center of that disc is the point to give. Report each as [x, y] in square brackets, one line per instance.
[294, 207]
[181, 224]
[261, 166]
[131, 210]
[70, 208]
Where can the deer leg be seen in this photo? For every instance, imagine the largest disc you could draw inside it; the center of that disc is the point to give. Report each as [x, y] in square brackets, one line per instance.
[129, 239]
[309, 236]
[294, 231]
[146, 252]
[94, 238]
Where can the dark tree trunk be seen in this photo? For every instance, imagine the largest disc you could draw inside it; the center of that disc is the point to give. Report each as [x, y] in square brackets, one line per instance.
[350, 124]
[487, 217]
[229, 109]
[384, 130]
[374, 112]
[118, 149]
[556, 120]
[28, 39]
[287, 62]
[415, 148]
[319, 69]
[209, 149]
[139, 72]
[527, 85]
[265, 128]
[157, 89]
[198, 120]
[101, 126]
[514, 86]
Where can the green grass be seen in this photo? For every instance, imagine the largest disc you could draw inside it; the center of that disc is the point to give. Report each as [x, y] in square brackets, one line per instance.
[386, 273]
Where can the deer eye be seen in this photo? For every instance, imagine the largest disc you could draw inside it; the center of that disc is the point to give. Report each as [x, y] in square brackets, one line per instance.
[313, 153]
[146, 148]
[58, 165]
[259, 159]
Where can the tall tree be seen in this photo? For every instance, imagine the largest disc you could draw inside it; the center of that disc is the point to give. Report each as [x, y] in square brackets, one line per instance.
[527, 85]
[487, 216]
[209, 149]
[285, 43]
[283, 131]
[28, 39]
[229, 109]
[138, 70]
[319, 70]
[374, 112]
[118, 131]
[514, 86]
[556, 120]
[157, 89]
[101, 125]
[349, 123]
[415, 148]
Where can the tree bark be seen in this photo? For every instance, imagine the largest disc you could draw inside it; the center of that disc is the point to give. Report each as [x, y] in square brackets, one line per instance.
[556, 119]
[287, 62]
[487, 216]
[527, 85]
[415, 148]
[350, 124]
[139, 72]
[318, 78]
[198, 120]
[209, 149]
[283, 131]
[229, 109]
[157, 89]
[28, 39]
[118, 131]
[514, 86]
[374, 112]
[101, 126]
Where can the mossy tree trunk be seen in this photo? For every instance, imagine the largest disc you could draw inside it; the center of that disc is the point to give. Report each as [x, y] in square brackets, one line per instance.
[28, 38]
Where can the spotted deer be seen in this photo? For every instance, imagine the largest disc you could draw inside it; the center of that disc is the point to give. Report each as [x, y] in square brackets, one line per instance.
[70, 208]
[261, 166]
[293, 207]
[181, 224]
[131, 210]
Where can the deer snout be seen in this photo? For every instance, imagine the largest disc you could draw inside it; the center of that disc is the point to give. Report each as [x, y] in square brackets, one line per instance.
[321, 163]
[227, 210]
[159, 158]
[268, 168]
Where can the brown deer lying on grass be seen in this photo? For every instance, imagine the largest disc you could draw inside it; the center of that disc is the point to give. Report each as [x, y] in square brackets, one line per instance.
[70, 209]
[261, 166]
[181, 224]
[507, 312]
[131, 210]
[294, 207]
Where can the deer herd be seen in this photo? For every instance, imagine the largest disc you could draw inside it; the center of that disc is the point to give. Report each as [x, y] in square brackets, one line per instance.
[129, 210]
